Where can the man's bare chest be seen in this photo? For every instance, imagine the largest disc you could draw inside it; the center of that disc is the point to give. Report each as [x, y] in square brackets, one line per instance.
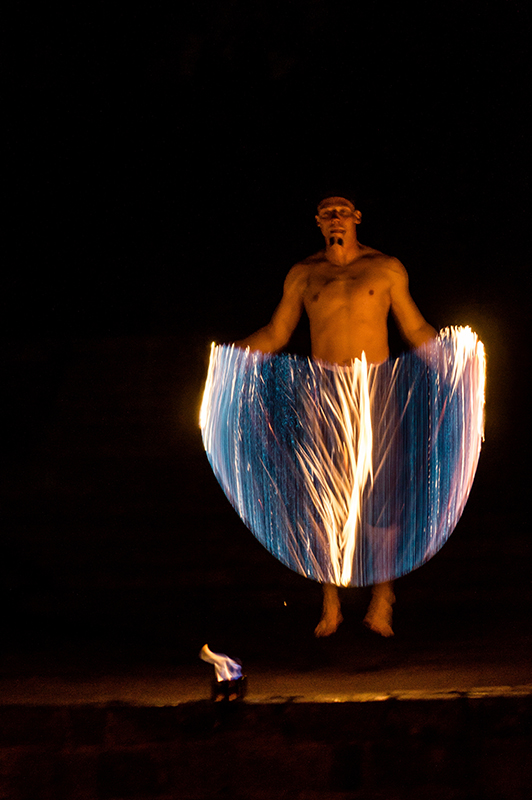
[326, 286]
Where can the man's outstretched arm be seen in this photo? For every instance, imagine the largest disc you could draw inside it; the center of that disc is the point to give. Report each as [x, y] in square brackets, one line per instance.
[276, 334]
[413, 327]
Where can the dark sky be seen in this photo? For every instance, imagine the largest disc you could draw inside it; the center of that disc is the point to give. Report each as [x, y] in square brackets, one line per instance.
[163, 163]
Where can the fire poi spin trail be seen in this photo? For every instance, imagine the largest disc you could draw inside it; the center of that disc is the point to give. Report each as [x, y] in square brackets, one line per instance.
[351, 475]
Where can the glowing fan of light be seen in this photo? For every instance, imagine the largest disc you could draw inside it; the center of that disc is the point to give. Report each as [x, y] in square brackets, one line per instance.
[348, 475]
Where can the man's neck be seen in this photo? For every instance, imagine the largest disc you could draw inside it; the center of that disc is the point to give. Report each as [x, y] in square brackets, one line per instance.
[339, 253]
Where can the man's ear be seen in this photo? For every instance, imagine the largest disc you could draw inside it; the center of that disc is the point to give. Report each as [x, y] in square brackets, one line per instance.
[358, 216]
[317, 220]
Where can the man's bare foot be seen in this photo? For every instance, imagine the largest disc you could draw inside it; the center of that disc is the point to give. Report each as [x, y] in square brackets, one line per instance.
[328, 624]
[331, 616]
[379, 614]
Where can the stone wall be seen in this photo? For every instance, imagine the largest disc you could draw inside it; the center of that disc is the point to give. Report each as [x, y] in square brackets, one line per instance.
[461, 746]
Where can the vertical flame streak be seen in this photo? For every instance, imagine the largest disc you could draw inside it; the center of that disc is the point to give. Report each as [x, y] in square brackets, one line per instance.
[462, 377]
[339, 464]
[208, 400]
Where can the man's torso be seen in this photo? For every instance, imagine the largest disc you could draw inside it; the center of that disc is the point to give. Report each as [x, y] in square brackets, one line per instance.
[348, 306]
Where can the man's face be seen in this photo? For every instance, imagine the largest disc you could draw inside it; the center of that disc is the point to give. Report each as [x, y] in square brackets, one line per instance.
[337, 217]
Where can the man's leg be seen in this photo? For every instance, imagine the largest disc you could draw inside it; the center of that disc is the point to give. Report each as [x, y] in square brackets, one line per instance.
[331, 615]
[379, 615]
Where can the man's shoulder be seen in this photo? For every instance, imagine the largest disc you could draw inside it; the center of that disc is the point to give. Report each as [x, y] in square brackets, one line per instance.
[395, 267]
[297, 278]
[301, 269]
[372, 252]
[384, 261]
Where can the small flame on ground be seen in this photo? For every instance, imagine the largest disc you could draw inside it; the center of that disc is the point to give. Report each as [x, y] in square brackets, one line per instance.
[224, 667]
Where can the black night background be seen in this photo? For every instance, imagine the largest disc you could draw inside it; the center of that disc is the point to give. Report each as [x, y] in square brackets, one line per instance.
[162, 165]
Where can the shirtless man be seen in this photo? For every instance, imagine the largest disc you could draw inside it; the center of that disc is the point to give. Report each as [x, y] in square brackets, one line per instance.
[347, 290]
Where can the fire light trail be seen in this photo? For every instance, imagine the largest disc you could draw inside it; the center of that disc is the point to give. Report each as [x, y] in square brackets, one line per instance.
[348, 475]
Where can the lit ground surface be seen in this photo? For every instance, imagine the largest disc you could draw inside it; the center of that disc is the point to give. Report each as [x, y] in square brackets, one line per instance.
[471, 646]
[159, 689]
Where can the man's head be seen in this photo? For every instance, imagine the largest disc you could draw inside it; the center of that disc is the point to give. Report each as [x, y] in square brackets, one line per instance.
[337, 219]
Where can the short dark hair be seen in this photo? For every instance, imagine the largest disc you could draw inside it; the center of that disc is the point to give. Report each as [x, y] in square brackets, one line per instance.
[348, 195]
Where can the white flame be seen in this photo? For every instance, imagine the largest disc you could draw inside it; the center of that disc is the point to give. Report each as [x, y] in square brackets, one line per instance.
[337, 488]
[207, 393]
[224, 667]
